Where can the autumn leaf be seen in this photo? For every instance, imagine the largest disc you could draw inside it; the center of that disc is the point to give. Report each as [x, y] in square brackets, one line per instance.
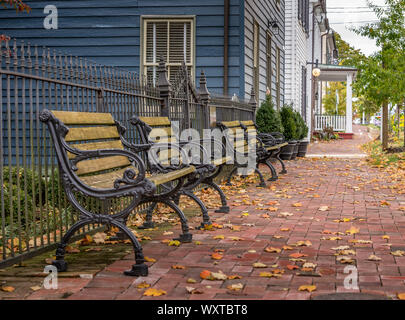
[309, 265]
[292, 267]
[398, 253]
[324, 208]
[401, 296]
[218, 276]
[216, 256]
[99, 237]
[296, 205]
[205, 274]
[235, 287]
[167, 233]
[353, 230]
[147, 259]
[178, 267]
[154, 292]
[269, 275]
[235, 276]
[259, 265]
[265, 215]
[7, 288]
[374, 258]
[386, 237]
[298, 255]
[288, 248]
[143, 285]
[219, 237]
[285, 214]
[285, 229]
[272, 250]
[235, 238]
[272, 209]
[303, 243]
[191, 280]
[192, 290]
[175, 243]
[88, 239]
[70, 249]
[36, 288]
[307, 288]
[272, 203]
[384, 203]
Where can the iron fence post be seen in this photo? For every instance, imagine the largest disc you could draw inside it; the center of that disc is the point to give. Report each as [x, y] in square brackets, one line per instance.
[165, 88]
[204, 97]
[253, 103]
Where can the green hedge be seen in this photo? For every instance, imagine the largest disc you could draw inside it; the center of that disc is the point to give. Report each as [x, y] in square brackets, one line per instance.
[289, 124]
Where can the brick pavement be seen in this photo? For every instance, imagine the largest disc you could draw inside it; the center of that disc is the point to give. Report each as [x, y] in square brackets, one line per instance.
[323, 192]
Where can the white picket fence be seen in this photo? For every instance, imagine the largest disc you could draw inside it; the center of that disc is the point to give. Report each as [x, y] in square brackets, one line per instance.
[338, 123]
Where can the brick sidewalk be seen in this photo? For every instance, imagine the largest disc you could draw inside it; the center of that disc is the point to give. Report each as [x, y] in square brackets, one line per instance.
[306, 206]
[349, 190]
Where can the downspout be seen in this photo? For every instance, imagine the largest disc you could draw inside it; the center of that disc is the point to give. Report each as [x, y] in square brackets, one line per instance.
[226, 46]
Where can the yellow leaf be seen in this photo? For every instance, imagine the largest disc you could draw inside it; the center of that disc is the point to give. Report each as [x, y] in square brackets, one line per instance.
[197, 243]
[143, 285]
[353, 230]
[307, 288]
[386, 237]
[178, 267]
[191, 280]
[285, 229]
[235, 276]
[7, 288]
[324, 208]
[147, 259]
[398, 253]
[401, 296]
[235, 238]
[219, 237]
[154, 292]
[235, 287]
[269, 275]
[35, 288]
[174, 243]
[298, 204]
[272, 250]
[374, 258]
[288, 248]
[259, 265]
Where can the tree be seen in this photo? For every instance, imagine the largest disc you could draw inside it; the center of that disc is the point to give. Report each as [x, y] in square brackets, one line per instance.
[267, 118]
[18, 5]
[381, 76]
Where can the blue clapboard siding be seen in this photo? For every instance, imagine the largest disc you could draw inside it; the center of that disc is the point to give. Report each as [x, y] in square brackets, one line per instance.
[108, 32]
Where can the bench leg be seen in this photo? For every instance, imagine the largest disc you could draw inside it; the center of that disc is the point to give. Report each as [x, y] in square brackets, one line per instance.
[186, 236]
[149, 224]
[262, 183]
[284, 171]
[274, 176]
[139, 269]
[203, 208]
[225, 207]
[228, 182]
[60, 262]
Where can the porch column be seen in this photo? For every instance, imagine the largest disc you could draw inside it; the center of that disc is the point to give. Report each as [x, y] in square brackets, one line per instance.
[349, 106]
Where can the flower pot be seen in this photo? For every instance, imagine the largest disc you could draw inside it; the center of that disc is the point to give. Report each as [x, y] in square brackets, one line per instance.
[295, 152]
[288, 150]
[302, 150]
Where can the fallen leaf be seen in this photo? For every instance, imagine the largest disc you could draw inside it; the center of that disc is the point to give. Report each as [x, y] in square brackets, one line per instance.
[216, 256]
[219, 238]
[398, 253]
[167, 233]
[374, 258]
[272, 250]
[192, 290]
[285, 229]
[305, 243]
[235, 287]
[269, 275]
[143, 285]
[307, 288]
[205, 274]
[36, 288]
[235, 276]
[309, 265]
[259, 265]
[298, 255]
[324, 208]
[147, 259]
[285, 214]
[191, 280]
[401, 296]
[154, 292]
[292, 267]
[235, 238]
[70, 249]
[341, 248]
[353, 230]
[7, 288]
[386, 237]
[99, 237]
[218, 276]
[178, 267]
[175, 243]
[298, 204]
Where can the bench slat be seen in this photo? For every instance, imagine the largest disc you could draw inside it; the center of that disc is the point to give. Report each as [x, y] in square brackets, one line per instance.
[91, 133]
[77, 118]
[156, 121]
[101, 164]
[113, 144]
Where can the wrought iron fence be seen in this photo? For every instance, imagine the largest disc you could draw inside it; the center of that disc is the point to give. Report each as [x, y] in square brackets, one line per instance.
[34, 212]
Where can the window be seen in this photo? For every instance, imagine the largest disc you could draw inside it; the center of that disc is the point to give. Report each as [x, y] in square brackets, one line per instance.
[256, 63]
[172, 39]
[303, 14]
[278, 78]
[269, 71]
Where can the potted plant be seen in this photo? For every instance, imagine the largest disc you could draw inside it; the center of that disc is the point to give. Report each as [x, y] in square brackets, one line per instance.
[268, 119]
[290, 131]
[302, 150]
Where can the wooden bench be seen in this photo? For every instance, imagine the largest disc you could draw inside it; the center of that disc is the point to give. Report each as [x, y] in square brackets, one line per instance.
[96, 161]
[153, 130]
[246, 149]
[273, 141]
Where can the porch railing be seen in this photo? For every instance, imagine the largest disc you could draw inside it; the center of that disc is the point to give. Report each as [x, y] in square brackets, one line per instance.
[338, 123]
[33, 210]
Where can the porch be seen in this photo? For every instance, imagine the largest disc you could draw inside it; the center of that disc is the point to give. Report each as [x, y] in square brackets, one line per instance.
[341, 124]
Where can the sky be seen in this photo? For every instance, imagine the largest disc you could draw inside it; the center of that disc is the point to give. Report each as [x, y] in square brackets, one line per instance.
[345, 13]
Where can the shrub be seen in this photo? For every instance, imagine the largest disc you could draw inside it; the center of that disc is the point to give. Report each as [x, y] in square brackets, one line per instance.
[302, 128]
[288, 121]
[267, 118]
